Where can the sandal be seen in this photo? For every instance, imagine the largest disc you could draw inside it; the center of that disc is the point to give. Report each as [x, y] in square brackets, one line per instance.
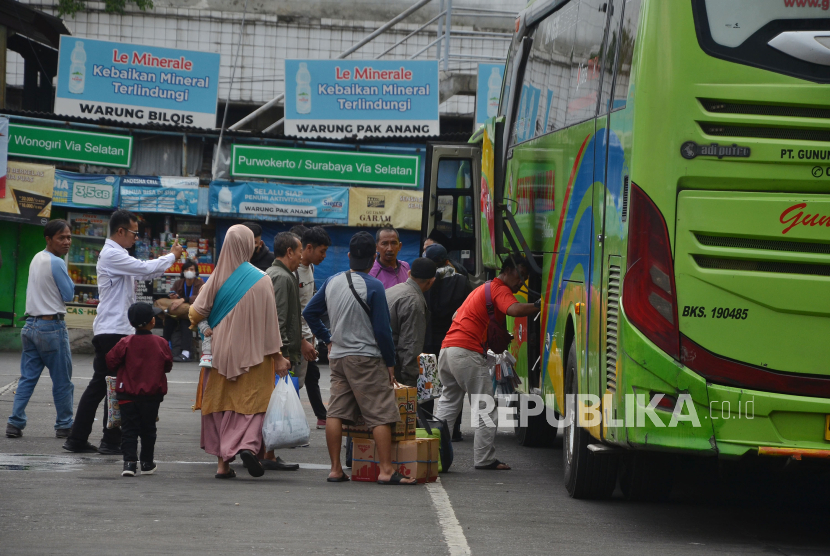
[396, 479]
[251, 463]
[341, 479]
[494, 466]
[229, 475]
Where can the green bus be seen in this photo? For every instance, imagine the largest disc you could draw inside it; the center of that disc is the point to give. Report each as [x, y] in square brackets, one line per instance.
[665, 165]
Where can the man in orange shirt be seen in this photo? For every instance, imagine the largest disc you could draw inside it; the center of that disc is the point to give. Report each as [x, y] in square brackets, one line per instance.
[462, 364]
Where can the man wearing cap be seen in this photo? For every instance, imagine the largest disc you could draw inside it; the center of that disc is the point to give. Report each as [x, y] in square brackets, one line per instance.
[361, 357]
[408, 315]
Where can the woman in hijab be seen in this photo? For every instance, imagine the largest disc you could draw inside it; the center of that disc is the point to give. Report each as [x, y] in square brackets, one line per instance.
[238, 302]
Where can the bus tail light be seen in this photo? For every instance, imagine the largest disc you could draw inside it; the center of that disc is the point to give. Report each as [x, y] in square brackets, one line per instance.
[649, 294]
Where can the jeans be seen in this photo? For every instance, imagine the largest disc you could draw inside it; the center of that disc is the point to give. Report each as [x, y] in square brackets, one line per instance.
[138, 419]
[45, 343]
[95, 393]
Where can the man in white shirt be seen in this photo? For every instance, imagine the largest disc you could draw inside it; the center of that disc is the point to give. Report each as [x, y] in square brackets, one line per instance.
[315, 243]
[44, 337]
[117, 273]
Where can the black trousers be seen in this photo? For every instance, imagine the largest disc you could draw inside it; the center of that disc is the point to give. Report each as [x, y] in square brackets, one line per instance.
[312, 388]
[95, 393]
[138, 419]
[178, 333]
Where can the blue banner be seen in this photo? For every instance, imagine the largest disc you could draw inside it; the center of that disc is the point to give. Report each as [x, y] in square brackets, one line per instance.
[488, 91]
[279, 202]
[134, 83]
[372, 98]
[160, 194]
[85, 190]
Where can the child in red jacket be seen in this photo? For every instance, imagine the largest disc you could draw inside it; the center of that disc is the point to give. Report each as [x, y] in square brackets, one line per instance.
[141, 361]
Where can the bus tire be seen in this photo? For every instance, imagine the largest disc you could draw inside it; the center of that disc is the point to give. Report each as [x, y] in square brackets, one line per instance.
[538, 433]
[587, 475]
[647, 476]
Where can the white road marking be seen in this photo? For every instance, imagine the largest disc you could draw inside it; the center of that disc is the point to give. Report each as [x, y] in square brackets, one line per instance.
[453, 533]
[168, 382]
[8, 387]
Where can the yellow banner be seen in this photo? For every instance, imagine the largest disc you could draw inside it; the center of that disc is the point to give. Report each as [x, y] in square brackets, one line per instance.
[28, 193]
[81, 317]
[371, 207]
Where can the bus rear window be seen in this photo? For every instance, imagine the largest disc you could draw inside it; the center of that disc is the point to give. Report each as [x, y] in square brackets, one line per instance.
[731, 22]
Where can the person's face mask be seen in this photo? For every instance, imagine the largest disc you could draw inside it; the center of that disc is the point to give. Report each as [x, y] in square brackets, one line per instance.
[189, 274]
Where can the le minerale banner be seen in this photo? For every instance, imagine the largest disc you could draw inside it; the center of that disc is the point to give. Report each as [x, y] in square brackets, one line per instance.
[85, 190]
[134, 83]
[326, 166]
[87, 147]
[279, 202]
[353, 98]
[28, 193]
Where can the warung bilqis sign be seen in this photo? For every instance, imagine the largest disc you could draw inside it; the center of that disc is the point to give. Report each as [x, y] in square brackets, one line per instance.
[139, 84]
[353, 98]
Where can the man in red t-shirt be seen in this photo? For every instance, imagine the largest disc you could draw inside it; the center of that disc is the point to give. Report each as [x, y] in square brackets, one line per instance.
[462, 366]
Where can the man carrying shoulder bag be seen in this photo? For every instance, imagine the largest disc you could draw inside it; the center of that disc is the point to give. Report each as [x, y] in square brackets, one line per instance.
[478, 325]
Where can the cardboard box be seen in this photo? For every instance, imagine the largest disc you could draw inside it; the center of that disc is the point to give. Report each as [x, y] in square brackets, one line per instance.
[364, 460]
[411, 412]
[427, 471]
[358, 430]
[405, 458]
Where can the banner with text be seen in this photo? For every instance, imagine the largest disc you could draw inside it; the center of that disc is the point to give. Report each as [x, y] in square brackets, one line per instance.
[376, 207]
[277, 201]
[28, 193]
[322, 165]
[136, 84]
[85, 190]
[488, 92]
[52, 143]
[371, 98]
[170, 195]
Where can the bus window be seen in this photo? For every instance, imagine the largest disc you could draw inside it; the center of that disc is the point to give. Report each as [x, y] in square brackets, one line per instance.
[585, 64]
[545, 82]
[628, 34]
[609, 58]
[455, 219]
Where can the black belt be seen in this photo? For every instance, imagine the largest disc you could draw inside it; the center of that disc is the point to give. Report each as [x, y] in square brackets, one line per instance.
[58, 316]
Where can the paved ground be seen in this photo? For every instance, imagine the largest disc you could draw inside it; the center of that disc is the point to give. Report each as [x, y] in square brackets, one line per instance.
[52, 501]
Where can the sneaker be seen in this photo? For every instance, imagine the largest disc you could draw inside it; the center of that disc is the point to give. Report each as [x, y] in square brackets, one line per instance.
[321, 423]
[148, 467]
[62, 433]
[130, 469]
[206, 361]
[12, 431]
[109, 449]
[79, 447]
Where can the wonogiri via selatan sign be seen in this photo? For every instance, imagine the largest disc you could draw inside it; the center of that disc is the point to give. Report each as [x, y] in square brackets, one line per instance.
[137, 84]
[352, 98]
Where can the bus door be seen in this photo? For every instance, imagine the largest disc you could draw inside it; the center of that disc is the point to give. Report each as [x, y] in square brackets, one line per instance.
[451, 215]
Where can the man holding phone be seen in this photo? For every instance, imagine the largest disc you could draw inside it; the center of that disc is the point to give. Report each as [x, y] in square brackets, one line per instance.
[117, 273]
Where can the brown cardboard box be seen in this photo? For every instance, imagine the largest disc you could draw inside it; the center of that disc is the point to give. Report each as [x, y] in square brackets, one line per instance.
[411, 412]
[399, 428]
[427, 459]
[405, 458]
[364, 460]
[358, 430]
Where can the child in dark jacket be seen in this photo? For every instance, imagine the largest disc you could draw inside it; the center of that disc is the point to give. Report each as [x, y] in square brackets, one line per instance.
[141, 361]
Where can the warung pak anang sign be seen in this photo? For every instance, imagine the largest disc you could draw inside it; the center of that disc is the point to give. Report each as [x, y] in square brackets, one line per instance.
[353, 98]
[281, 202]
[325, 165]
[136, 84]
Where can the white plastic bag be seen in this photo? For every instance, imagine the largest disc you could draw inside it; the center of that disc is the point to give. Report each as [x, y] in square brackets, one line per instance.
[285, 425]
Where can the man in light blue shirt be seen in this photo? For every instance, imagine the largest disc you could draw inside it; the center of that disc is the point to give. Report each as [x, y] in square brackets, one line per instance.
[44, 337]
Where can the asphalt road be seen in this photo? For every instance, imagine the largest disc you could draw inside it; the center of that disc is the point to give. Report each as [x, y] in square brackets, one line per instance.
[52, 501]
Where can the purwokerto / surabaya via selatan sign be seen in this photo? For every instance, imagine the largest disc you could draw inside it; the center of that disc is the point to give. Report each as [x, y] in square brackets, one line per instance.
[352, 98]
[136, 84]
